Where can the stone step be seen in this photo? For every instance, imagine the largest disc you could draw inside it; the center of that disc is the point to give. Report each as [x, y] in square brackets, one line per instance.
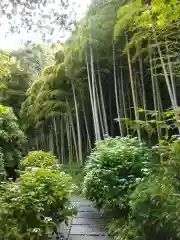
[79, 199]
[88, 230]
[83, 204]
[87, 209]
[85, 237]
[86, 221]
[88, 215]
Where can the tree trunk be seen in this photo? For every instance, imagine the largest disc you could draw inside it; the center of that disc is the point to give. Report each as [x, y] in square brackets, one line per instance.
[116, 92]
[91, 96]
[154, 89]
[98, 135]
[102, 101]
[78, 126]
[133, 90]
[73, 132]
[56, 137]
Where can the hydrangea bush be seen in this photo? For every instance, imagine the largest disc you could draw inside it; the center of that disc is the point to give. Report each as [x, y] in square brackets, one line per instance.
[33, 206]
[113, 170]
[154, 206]
[38, 159]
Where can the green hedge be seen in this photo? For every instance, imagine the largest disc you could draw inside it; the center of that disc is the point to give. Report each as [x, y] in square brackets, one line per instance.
[12, 141]
[38, 159]
[34, 205]
[113, 170]
[139, 193]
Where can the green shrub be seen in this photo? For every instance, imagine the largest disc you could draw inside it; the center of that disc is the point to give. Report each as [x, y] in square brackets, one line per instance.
[155, 202]
[12, 140]
[155, 209]
[123, 229]
[34, 205]
[38, 159]
[112, 172]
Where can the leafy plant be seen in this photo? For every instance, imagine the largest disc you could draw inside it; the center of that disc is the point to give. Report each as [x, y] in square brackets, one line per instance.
[168, 120]
[12, 140]
[33, 206]
[154, 203]
[38, 159]
[155, 207]
[112, 172]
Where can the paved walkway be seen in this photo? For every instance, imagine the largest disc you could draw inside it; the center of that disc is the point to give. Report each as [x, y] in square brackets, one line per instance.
[87, 225]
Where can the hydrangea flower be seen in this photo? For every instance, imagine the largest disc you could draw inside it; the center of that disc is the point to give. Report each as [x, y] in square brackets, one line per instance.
[131, 177]
[36, 230]
[34, 169]
[138, 180]
[47, 219]
[122, 180]
[62, 174]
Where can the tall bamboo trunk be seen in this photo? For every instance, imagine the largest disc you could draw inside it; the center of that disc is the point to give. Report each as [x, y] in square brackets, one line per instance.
[73, 132]
[101, 123]
[56, 137]
[98, 135]
[116, 91]
[133, 89]
[78, 126]
[86, 125]
[62, 142]
[37, 145]
[142, 85]
[171, 77]
[51, 143]
[164, 69]
[42, 137]
[168, 83]
[68, 140]
[91, 96]
[102, 101]
[123, 96]
[110, 114]
[154, 89]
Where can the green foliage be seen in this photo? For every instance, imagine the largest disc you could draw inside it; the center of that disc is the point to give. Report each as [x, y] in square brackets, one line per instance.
[5, 66]
[47, 97]
[33, 58]
[155, 207]
[139, 194]
[161, 14]
[33, 207]
[12, 139]
[2, 172]
[144, 24]
[76, 171]
[112, 172]
[16, 84]
[168, 120]
[154, 203]
[38, 159]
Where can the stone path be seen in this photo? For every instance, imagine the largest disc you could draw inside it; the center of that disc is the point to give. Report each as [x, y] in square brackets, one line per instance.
[87, 225]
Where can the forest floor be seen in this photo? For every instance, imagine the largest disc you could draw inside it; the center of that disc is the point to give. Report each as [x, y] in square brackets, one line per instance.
[87, 225]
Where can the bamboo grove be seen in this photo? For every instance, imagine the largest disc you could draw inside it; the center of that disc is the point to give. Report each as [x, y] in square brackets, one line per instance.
[118, 74]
